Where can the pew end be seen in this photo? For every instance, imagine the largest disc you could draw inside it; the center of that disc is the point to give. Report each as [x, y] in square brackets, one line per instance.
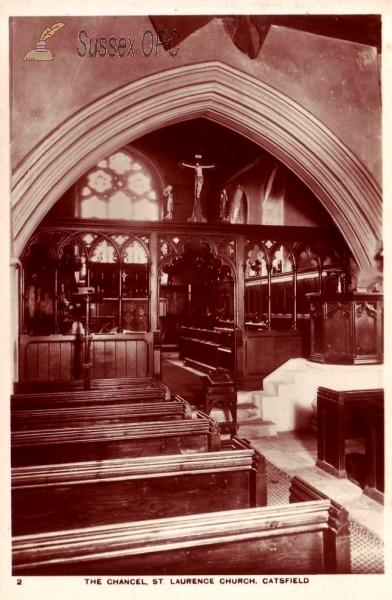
[337, 542]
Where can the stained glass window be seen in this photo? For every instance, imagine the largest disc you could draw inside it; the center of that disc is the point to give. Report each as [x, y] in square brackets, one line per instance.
[119, 187]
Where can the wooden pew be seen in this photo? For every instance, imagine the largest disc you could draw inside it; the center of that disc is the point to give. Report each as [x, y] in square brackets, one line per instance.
[102, 442]
[69, 385]
[297, 539]
[83, 416]
[70, 496]
[85, 398]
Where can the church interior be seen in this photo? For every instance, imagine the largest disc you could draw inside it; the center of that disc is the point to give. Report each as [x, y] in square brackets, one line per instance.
[197, 297]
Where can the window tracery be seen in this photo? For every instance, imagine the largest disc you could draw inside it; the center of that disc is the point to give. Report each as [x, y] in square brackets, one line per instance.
[118, 187]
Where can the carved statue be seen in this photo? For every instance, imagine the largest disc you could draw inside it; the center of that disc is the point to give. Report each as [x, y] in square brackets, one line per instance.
[224, 199]
[168, 194]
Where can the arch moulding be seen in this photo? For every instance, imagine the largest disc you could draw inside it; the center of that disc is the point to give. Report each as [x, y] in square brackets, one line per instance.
[224, 95]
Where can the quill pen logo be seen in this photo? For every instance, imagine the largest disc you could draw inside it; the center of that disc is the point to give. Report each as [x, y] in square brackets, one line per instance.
[41, 52]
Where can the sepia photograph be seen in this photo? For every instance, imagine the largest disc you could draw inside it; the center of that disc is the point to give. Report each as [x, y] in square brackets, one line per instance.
[194, 340]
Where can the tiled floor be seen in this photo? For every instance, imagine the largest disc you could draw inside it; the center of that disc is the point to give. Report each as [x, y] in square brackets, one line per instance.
[366, 548]
[295, 453]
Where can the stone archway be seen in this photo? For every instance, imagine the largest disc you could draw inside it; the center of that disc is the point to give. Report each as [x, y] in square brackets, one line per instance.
[224, 95]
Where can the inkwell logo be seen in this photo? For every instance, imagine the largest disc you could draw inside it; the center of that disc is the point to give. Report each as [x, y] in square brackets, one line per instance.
[41, 52]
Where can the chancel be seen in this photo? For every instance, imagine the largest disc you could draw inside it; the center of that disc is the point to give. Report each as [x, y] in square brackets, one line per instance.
[197, 301]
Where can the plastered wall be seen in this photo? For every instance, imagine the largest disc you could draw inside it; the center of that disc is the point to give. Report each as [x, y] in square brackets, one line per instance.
[336, 81]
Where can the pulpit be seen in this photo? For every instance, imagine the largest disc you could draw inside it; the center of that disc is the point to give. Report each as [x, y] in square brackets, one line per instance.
[346, 328]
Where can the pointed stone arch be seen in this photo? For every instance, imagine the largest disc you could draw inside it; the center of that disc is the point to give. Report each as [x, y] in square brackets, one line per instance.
[222, 94]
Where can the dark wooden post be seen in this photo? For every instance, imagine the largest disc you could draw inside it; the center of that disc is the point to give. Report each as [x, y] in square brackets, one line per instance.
[119, 326]
[87, 337]
[294, 325]
[269, 271]
[56, 298]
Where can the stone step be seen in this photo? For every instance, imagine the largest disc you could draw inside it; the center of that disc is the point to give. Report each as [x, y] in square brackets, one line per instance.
[244, 397]
[257, 428]
[279, 388]
[281, 376]
[247, 411]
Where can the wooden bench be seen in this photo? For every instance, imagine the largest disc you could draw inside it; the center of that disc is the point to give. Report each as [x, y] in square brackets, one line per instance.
[85, 398]
[60, 497]
[82, 416]
[297, 539]
[102, 442]
[69, 385]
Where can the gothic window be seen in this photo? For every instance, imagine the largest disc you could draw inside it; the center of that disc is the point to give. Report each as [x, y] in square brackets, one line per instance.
[135, 253]
[256, 265]
[282, 260]
[121, 186]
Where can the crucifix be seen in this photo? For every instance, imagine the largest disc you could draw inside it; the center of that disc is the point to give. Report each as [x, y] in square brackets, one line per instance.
[198, 168]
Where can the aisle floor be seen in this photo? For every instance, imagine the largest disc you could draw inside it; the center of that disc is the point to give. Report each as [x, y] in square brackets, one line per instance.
[295, 453]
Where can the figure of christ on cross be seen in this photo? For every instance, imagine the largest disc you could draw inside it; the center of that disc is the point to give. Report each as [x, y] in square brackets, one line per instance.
[198, 168]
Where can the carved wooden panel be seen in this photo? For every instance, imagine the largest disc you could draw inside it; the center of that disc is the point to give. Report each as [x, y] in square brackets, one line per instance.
[316, 327]
[366, 326]
[338, 330]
